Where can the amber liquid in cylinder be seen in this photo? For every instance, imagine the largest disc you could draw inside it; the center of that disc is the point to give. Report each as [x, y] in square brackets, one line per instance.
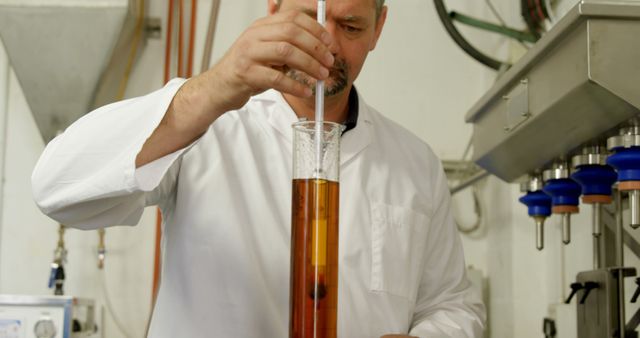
[314, 259]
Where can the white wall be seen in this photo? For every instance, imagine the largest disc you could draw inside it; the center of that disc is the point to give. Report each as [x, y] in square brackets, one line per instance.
[416, 76]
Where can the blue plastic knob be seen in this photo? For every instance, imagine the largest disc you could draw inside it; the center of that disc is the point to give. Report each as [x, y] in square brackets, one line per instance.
[563, 191]
[627, 162]
[538, 203]
[595, 179]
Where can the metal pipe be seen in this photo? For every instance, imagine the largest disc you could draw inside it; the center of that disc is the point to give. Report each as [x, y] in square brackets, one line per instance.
[563, 279]
[458, 166]
[470, 181]
[634, 207]
[619, 229]
[597, 232]
[102, 251]
[597, 219]
[4, 114]
[566, 228]
[620, 259]
[596, 253]
[539, 232]
[211, 33]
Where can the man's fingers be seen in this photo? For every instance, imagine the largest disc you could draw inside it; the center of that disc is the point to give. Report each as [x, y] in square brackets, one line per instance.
[284, 53]
[266, 77]
[300, 30]
[285, 40]
[303, 20]
[311, 25]
[298, 37]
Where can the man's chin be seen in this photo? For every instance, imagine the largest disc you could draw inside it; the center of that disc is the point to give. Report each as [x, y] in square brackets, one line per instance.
[330, 89]
[332, 86]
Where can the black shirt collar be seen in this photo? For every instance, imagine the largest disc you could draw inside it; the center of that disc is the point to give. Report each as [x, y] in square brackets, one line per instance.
[352, 111]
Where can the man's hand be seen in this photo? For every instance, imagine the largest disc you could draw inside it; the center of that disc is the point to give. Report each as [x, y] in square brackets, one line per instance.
[257, 61]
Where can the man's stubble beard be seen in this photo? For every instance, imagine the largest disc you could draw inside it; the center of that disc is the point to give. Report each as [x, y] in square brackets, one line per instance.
[338, 74]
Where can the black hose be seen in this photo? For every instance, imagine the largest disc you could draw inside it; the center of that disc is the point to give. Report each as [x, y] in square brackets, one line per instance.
[531, 22]
[461, 41]
[545, 10]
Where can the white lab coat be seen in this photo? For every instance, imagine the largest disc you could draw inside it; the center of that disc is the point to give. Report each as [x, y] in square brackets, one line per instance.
[226, 202]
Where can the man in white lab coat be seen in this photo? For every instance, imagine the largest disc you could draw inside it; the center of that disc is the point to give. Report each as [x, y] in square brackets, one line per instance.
[214, 152]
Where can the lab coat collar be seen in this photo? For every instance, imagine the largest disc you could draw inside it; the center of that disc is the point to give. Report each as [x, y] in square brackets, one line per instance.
[281, 116]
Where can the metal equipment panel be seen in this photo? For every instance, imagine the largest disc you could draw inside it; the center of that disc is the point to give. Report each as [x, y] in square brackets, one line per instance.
[580, 79]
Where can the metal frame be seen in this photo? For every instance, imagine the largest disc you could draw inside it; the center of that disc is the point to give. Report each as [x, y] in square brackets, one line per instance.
[608, 219]
[614, 237]
[465, 173]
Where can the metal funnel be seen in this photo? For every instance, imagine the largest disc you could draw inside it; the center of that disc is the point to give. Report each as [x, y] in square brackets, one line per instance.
[59, 51]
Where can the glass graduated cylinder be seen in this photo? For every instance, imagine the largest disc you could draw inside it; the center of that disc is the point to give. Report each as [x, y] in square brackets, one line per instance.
[314, 232]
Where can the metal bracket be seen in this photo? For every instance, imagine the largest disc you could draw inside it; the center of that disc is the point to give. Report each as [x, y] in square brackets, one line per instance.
[517, 102]
[152, 28]
[464, 172]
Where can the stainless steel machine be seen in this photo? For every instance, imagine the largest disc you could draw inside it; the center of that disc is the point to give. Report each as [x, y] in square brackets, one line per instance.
[562, 121]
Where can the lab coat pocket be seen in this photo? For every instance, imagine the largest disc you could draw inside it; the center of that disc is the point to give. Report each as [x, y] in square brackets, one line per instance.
[398, 243]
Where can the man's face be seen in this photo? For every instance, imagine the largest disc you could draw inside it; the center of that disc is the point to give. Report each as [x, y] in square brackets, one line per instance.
[355, 32]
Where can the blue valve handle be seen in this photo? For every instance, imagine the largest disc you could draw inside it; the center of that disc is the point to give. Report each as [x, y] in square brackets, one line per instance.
[627, 162]
[595, 179]
[564, 191]
[538, 203]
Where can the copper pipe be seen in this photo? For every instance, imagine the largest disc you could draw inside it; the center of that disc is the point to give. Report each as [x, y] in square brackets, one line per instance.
[192, 34]
[180, 36]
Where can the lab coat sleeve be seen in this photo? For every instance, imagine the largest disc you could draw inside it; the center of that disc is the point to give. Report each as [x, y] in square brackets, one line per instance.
[446, 305]
[87, 178]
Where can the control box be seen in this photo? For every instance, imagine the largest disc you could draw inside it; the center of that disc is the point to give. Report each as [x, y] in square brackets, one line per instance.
[25, 316]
